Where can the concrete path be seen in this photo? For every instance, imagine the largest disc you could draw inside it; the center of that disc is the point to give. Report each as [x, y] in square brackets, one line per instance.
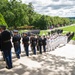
[61, 61]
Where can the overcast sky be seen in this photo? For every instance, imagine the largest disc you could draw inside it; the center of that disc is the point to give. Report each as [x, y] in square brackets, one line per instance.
[63, 8]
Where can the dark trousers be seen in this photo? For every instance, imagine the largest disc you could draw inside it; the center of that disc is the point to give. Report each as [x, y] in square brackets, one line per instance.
[34, 49]
[26, 50]
[44, 48]
[17, 50]
[40, 49]
[37, 48]
[8, 58]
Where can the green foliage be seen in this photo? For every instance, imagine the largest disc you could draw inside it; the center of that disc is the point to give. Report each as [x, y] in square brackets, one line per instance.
[2, 21]
[17, 14]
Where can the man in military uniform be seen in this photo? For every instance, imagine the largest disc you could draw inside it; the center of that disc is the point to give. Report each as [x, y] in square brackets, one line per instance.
[6, 46]
[40, 44]
[0, 38]
[33, 43]
[37, 42]
[0, 44]
[25, 41]
[44, 43]
[16, 42]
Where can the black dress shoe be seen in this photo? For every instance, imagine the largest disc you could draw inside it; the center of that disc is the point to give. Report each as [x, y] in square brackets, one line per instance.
[9, 67]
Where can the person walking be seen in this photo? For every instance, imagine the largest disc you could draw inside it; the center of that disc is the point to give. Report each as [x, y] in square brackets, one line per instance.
[40, 44]
[6, 46]
[37, 36]
[16, 42]
[25, 41]
[44, 43]
[33, 43]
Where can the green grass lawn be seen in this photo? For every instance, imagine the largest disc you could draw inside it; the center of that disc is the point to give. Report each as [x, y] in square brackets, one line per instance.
[69, 29]
[43, 32]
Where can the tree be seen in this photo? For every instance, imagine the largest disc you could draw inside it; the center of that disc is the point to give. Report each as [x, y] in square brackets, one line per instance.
[30, 13]
[17, 14]
[2, 21]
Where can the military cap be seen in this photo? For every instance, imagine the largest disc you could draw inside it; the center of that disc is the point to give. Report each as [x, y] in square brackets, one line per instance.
[15, 31]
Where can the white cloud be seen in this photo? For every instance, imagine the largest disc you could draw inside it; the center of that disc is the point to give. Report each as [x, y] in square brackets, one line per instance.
[64, 8]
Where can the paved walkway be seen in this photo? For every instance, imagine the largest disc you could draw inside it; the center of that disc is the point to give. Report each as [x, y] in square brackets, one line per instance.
[61, 61]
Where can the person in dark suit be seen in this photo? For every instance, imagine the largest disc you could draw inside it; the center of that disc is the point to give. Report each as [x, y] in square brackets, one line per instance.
[40, 44]
[6, 46]
[44, 43]
[33, 43]
[0, 38]
[0, 44]
[16, 42]
[37, 37]
[25, 41]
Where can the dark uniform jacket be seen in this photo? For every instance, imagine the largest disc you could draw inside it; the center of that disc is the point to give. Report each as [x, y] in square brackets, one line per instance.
[5, 40]
[25, 40]
[44, 41]
[16, 39]
[40, 41]
[33, 41]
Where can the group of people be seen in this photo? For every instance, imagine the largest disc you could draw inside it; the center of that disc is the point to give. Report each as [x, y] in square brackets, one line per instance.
[36, 42]
[6, 42]
[55, 41]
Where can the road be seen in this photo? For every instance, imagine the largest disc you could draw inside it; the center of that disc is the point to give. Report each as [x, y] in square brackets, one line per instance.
[61, 61]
